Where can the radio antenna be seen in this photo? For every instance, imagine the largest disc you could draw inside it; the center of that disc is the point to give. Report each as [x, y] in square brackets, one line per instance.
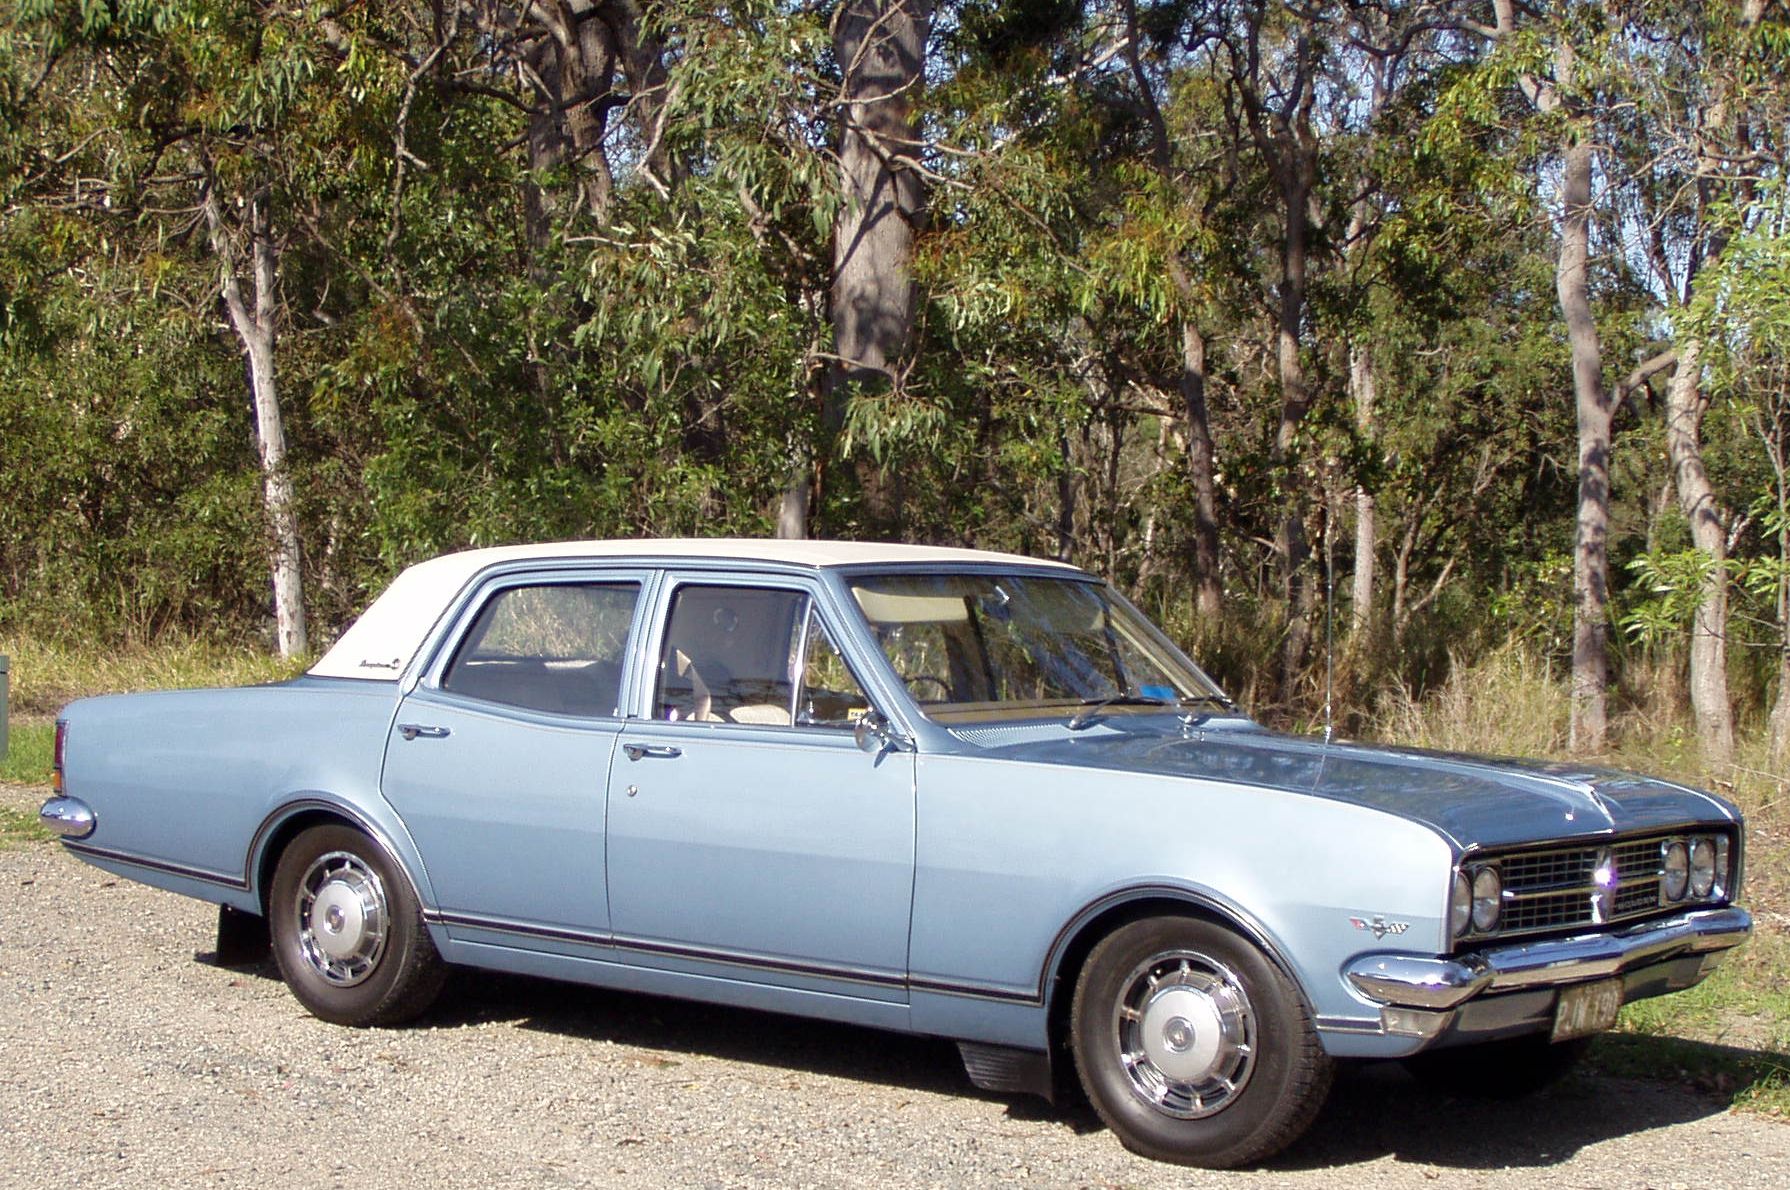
[1329, 609]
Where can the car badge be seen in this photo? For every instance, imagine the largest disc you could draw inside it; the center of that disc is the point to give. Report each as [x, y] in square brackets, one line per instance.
[1378, 926]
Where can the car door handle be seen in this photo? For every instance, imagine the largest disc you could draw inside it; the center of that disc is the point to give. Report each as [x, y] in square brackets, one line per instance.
[411, 731]
[642, 751]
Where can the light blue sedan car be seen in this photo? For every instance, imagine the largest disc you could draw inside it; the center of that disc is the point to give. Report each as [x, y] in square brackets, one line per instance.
[933, 791]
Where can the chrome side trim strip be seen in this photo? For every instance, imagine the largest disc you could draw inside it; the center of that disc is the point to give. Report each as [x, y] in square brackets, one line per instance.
[223, 880]
[863, 975]
[755, 962]
[522, 929]
[1417, 982]
[976, 992]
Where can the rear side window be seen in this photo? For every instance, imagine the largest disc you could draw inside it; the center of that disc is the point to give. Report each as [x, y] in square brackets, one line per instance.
[554, 647]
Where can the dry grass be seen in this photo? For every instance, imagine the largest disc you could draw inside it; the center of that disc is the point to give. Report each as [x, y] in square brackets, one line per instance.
[1507, 705]
[1731, 1034]
[47, 676]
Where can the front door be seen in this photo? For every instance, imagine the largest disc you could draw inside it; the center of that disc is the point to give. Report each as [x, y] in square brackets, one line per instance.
[749, 836]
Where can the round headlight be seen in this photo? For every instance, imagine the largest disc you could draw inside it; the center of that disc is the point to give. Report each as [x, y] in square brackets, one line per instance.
[1675, 870]
[1488, 898]
[1702, 867]
[1460, 905]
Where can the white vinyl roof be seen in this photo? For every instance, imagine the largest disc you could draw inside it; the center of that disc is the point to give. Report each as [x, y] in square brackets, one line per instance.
[380, 644]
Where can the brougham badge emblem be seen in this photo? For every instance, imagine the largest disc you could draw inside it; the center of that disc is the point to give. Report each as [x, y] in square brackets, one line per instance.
[1379, 927]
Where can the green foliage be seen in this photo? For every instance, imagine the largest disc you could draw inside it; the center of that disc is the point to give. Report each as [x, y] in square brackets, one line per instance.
[30, 753]
[1670, 589]
[470, 354]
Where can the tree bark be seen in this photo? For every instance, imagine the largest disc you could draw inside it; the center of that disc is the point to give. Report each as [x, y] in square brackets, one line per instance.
[1685, 406]
[1595, 412]
[881, 47]
[1594, 404]
[1208, 596]
[1780, 711]
[1208, 589]
[256, 331]
[573, 62]
[1365, 391]
[1297, 169]
[1284, 137]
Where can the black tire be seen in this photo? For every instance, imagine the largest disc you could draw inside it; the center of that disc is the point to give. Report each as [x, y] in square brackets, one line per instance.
[1511, 1069]
[1241, 1071]
[348, 933]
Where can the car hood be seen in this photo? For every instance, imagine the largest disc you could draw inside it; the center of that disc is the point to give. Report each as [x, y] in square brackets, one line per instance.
[1474, 801]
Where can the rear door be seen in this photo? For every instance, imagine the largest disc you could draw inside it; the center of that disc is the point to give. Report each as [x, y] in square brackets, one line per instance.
[498, 758]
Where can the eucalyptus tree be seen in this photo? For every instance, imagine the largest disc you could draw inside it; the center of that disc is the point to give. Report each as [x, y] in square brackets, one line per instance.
[1710, 104]
[1540, 54]
[879, 51]
[215, 92]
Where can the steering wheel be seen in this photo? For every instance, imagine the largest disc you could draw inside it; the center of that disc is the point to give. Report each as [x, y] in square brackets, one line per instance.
[915, 680]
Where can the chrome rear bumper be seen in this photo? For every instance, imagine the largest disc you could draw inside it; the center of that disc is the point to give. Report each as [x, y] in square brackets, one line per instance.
[69, 817]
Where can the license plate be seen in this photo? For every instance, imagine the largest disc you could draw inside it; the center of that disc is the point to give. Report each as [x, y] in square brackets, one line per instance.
[1587, 1008]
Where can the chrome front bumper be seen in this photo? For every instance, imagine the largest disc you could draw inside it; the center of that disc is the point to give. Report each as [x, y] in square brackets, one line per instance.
[1437, 985]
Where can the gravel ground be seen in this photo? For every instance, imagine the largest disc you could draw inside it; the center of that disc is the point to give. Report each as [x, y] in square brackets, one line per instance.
[127, 1061]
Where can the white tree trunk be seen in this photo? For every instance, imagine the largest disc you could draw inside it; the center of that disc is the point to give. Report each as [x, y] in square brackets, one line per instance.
[1593, 403]
[1696, 498]
[256, 331]
[1780, 713]
[1361, 384]
[1591, 550]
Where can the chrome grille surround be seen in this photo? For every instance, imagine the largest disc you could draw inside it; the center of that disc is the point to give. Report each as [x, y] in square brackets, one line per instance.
[1591, 883]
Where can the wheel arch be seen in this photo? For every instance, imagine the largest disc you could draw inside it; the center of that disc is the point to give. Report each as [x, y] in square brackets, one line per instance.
[294, 818]
[1069, 953]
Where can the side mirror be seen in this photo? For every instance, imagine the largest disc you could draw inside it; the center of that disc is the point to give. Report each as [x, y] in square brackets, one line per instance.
[876, 735]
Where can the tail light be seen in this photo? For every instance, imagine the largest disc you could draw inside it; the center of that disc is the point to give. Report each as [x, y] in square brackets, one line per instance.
[61, 744]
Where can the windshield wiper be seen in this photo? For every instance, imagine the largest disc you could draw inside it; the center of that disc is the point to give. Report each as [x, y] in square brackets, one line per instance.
[1093, 707]
[1201, 700]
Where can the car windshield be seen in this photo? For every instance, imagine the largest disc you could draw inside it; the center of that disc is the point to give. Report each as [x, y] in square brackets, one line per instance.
[998, 646]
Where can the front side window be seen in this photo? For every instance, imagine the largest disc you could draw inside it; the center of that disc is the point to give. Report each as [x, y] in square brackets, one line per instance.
[755, 656]
[554, 647]
[830, 695]
[972, 646]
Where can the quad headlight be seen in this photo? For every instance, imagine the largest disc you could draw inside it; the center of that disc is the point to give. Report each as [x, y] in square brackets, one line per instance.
[1476, 901]
[1675, 870]
[1460, 905]
[1693, 868]
[1488, 899]
[1702, 867]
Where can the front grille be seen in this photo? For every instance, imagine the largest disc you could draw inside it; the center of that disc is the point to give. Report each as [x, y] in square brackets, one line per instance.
[1544, 911]
[1562, 888]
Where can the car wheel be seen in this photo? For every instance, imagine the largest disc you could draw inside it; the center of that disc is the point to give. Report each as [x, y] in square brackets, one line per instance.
[348, 933]
[1509, 1069]
[1192, 1045]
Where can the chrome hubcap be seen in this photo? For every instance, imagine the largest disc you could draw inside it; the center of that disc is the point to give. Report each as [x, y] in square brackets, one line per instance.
[1186, 1034]
[342, 918]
